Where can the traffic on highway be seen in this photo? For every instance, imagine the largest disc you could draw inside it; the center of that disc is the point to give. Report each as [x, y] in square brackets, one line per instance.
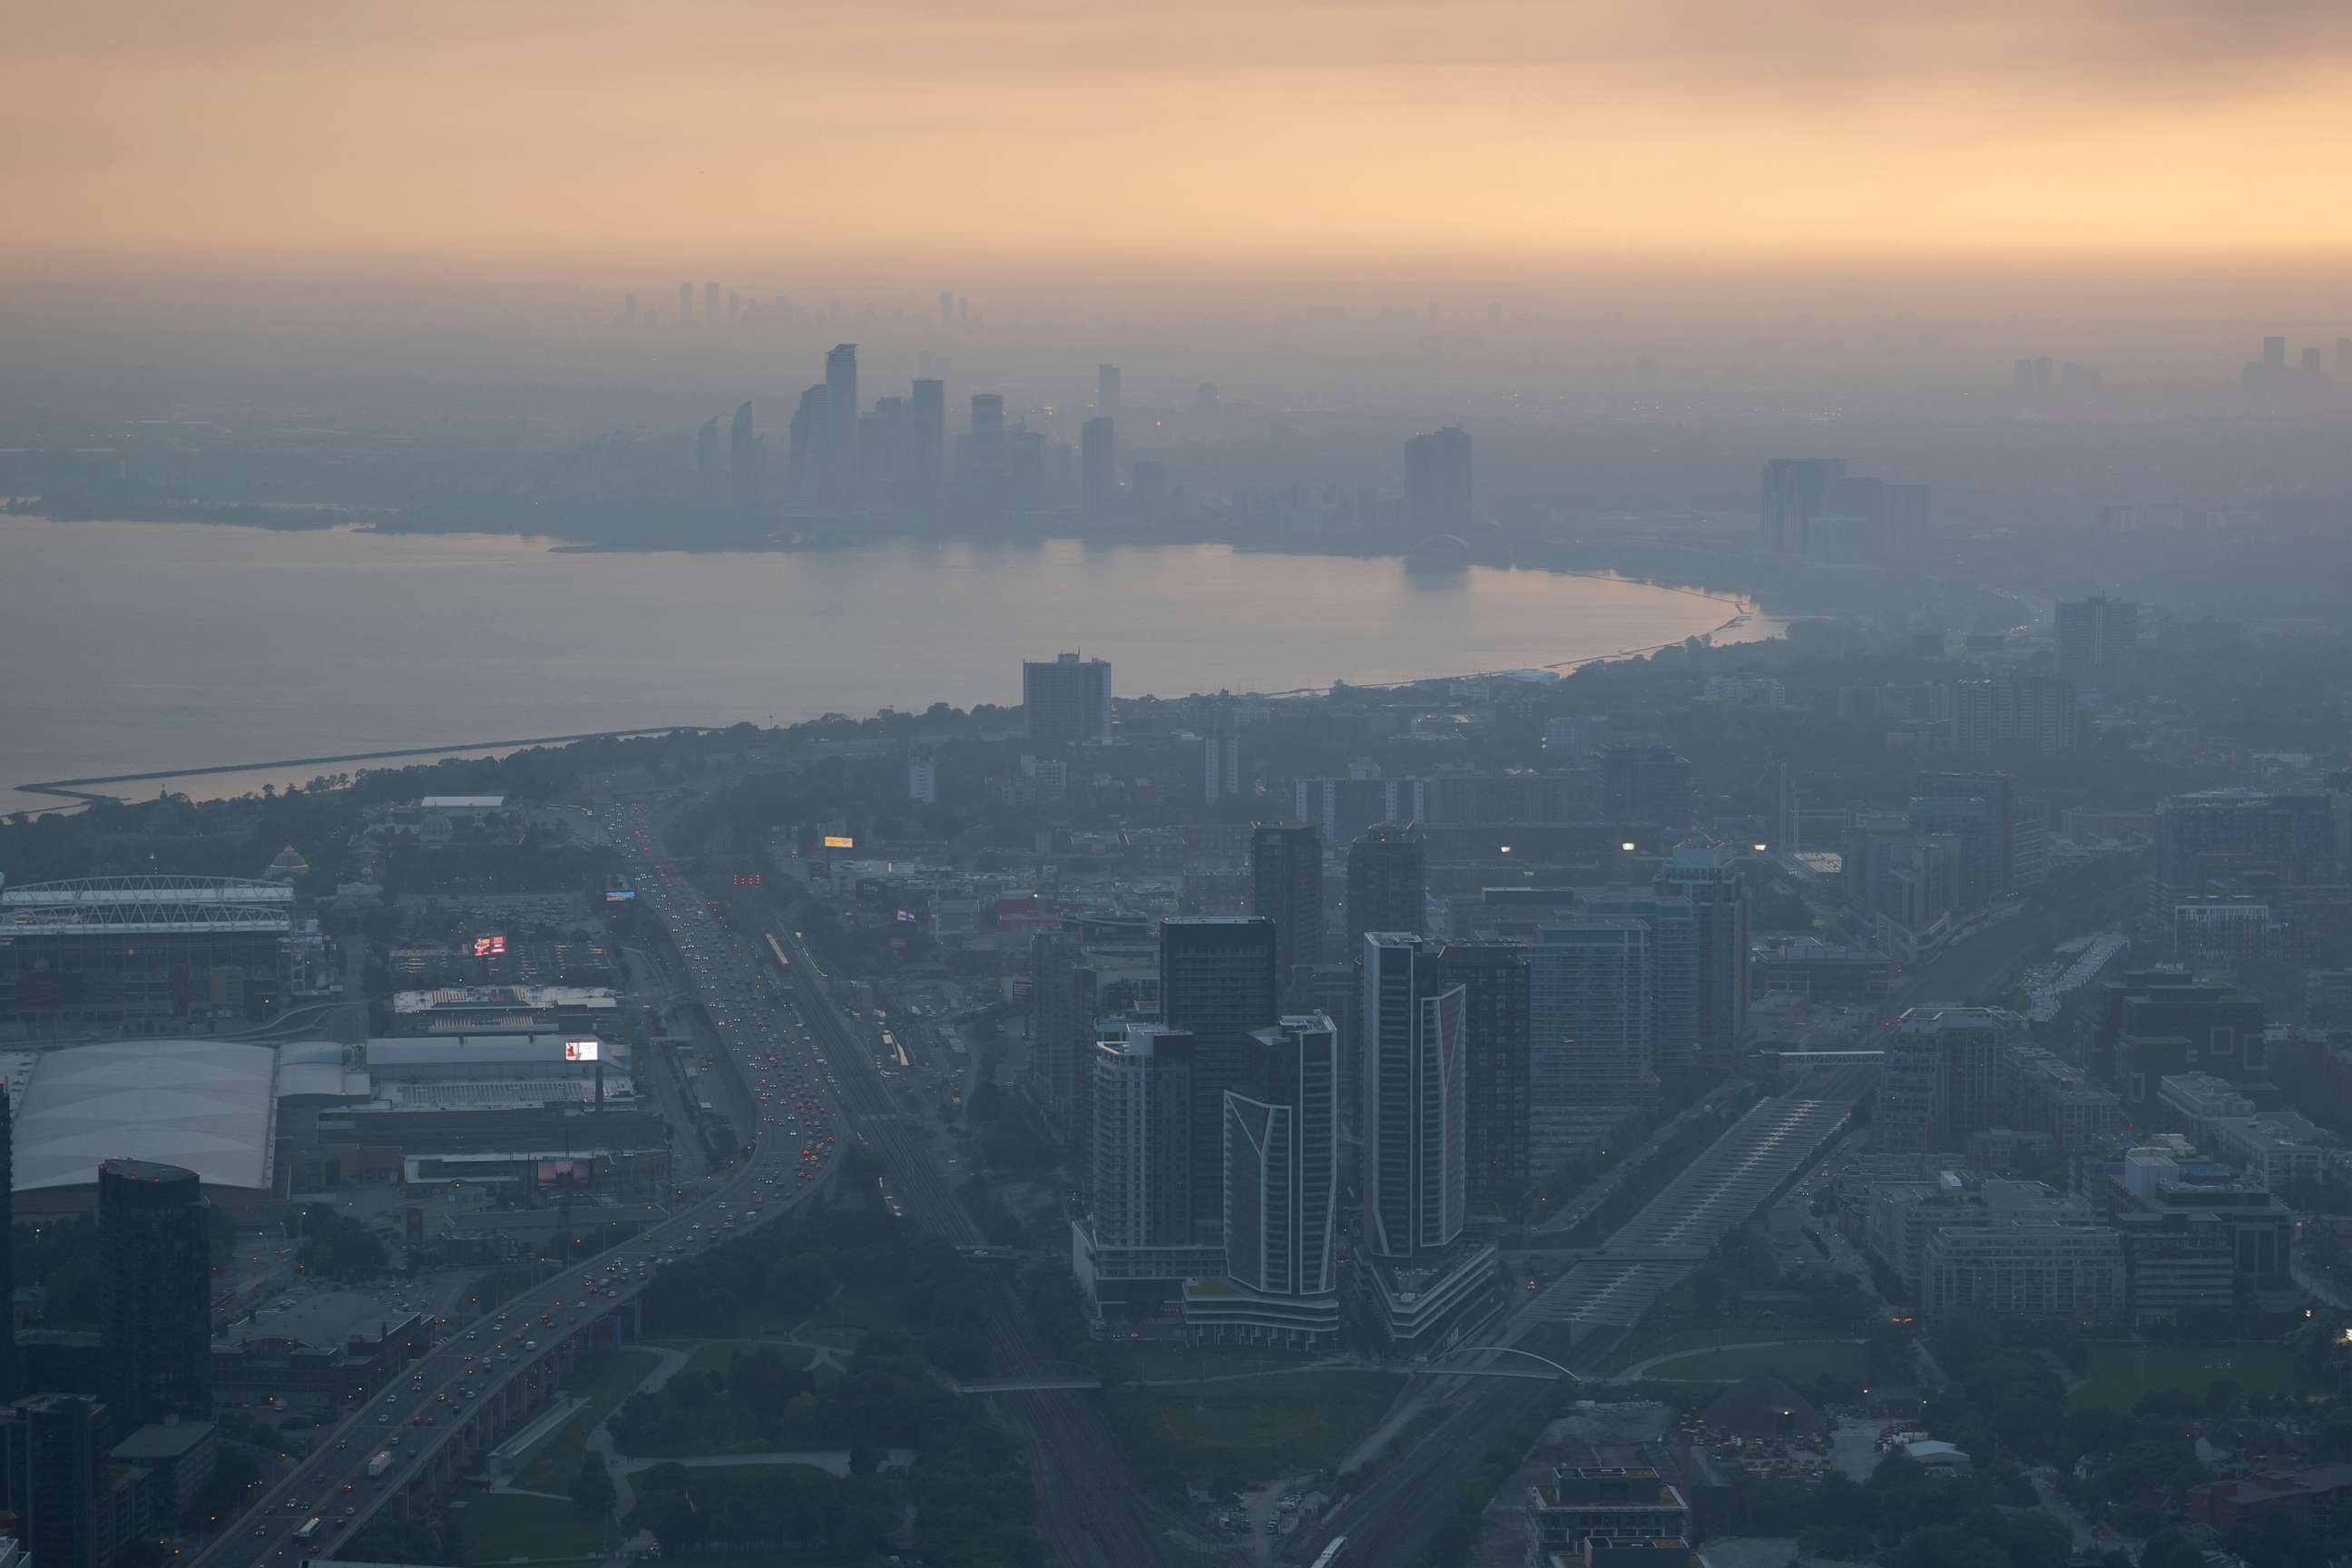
[381, 1445]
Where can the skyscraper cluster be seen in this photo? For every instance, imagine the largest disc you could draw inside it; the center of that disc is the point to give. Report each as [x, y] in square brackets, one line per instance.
[1812, 506]
[1459, 1067]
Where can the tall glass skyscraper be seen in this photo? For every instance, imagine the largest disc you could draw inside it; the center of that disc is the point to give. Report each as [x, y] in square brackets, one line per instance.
[155, 1304]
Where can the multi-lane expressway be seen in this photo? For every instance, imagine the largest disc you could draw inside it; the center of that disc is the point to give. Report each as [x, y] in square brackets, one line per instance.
[485, 1379]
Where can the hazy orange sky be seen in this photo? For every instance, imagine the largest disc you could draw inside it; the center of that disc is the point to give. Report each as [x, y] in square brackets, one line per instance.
[1223, 130]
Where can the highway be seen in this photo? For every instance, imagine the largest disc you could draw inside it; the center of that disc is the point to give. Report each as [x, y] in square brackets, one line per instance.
[1389, 1522]
[1089, 1506]
[441, 1399]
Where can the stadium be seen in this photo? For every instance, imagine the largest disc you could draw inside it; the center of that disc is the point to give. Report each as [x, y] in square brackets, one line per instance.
[136, 951]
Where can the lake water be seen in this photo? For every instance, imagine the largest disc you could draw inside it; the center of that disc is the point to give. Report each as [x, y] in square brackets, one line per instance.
[133, 648]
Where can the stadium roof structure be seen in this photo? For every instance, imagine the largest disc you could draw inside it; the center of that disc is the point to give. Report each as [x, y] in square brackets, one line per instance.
[146, 906]
[207, 1105]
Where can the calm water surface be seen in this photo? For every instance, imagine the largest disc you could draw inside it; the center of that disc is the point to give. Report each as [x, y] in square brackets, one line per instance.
[133, 647]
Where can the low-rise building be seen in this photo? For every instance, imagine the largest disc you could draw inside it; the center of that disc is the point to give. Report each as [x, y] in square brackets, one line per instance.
[317, 1354]
[1614, 1507]
[2176, 1265]
[2192, 1103]
[2065, 1270]
[2275, 1148]
[2317, 1500]
[2040, 1093]
[1427, 1305]
[179, 1457]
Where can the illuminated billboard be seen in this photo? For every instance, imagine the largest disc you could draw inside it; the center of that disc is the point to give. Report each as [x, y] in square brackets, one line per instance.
[839, 841]
[619, 895]
[489, 947]
[581, 1050]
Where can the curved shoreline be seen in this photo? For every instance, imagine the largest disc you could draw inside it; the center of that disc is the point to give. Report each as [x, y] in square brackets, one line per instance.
[82, 791]
[72, 788]
[69, 793]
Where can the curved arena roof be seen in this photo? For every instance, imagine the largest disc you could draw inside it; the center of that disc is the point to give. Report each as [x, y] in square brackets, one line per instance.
[207, 1105]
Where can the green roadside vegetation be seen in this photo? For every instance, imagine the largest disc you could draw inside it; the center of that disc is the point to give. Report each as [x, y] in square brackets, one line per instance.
[603, 1378]
[709, 1356]
[969, 1487]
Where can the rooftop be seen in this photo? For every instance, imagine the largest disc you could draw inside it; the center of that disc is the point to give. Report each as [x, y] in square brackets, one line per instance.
[204, 1105]
[162, 1440]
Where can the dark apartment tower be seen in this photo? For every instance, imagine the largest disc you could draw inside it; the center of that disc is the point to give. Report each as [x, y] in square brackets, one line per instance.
[805, 449]
[1411, 1123]
[1107, 388]
[927, 449]
[1437, 480]
[841, 428]
[1217, 983]
[947, 308]
[1716, 883]
[1282, 1162]
[9, 1381]
[1065, 700]
[882, 453]
[1496, 1041]
[1059, 1032]
[155, 1294]
[2097, 637]
[1644, 783]
[1795, 491]
[1098, 467]
[705, 464]
[743, 462]
[50, 1449]
[1388, 882]
[2000, 873]
[987, 453]
[1287, 888]
[1144, 1144]
[685, 301]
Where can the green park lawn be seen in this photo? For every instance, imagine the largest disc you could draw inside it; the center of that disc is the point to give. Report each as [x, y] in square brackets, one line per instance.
[1268, 1427]
[2120, 1373]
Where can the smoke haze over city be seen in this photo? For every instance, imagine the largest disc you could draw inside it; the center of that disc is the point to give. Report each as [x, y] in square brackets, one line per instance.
[1076, 783]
